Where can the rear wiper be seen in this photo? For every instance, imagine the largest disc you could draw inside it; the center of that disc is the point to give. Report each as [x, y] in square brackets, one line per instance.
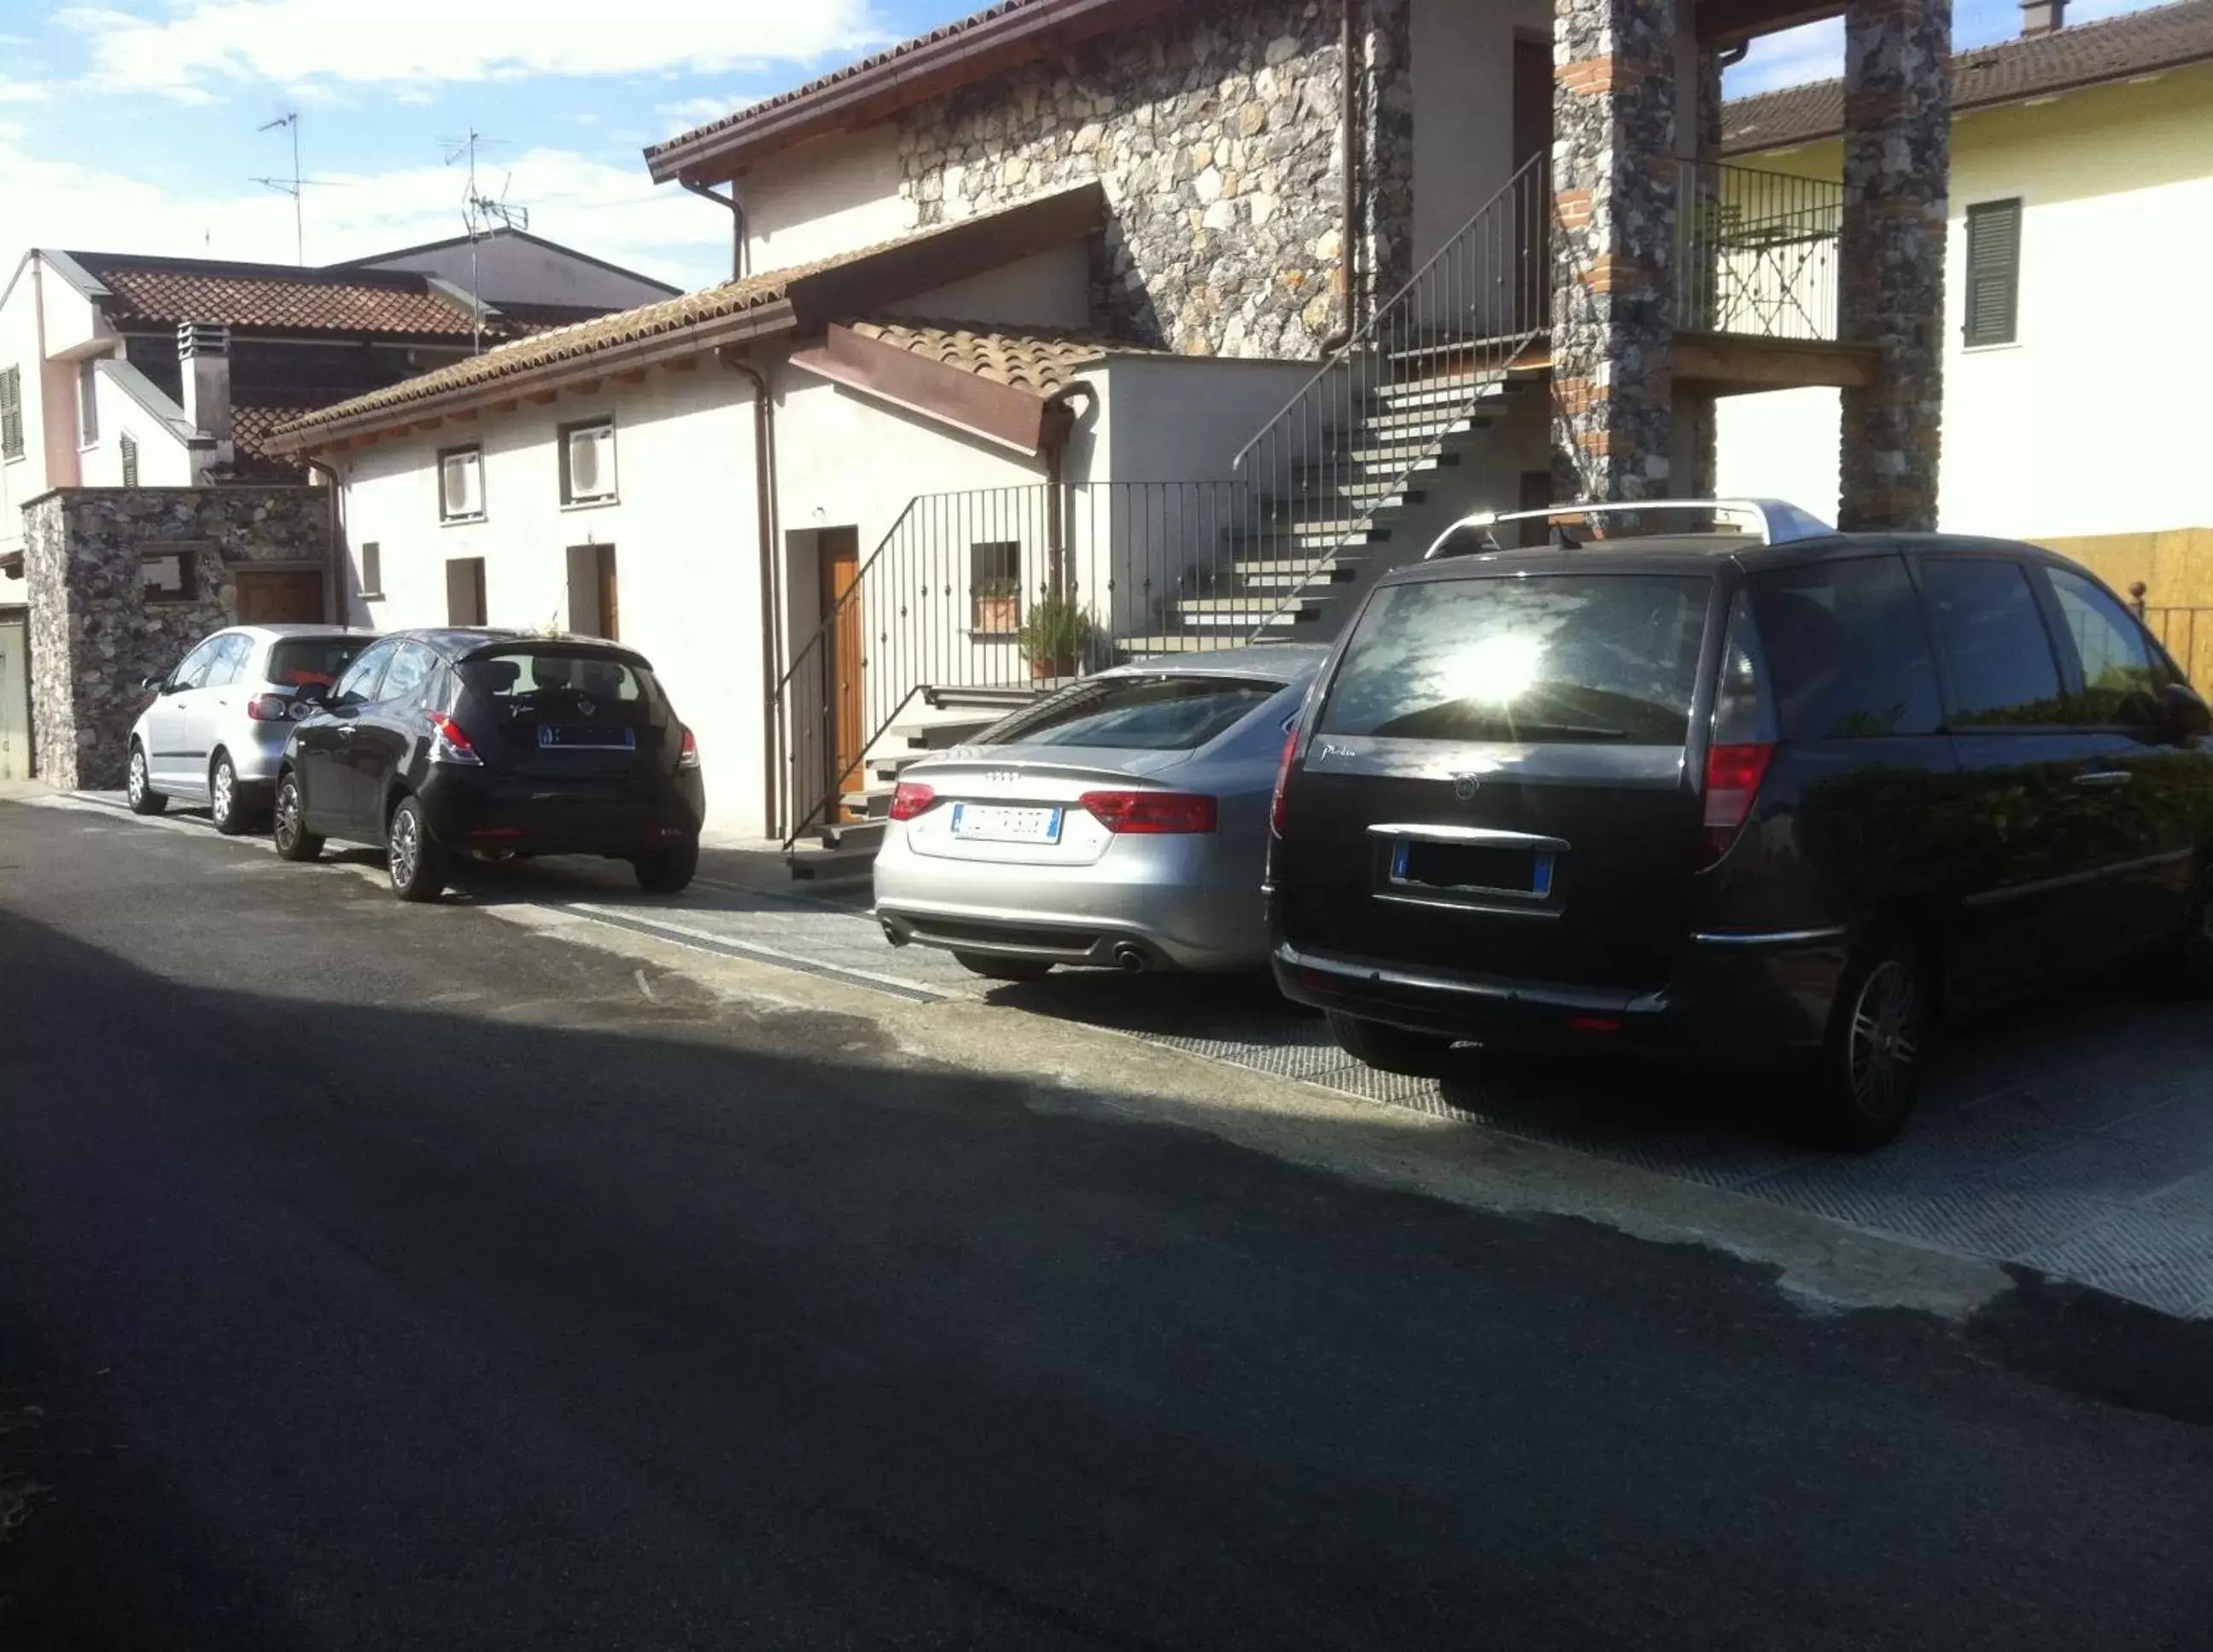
[1563, 731]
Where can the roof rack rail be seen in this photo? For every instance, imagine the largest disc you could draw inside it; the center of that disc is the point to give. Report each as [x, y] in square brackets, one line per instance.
[1776, 522]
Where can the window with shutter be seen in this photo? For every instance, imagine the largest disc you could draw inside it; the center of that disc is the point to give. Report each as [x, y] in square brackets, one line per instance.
[129, 450]
[461, 483]
[88, 403]
[1993, 272]
[11, 413]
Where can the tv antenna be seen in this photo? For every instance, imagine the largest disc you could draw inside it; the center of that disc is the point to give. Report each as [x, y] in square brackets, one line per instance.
[295, 186]
[482, 214]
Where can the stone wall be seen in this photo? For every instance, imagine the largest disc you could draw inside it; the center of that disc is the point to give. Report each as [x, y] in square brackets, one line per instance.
[1898, 174]
[1613, 183]
[1216, 135]
[95, 635]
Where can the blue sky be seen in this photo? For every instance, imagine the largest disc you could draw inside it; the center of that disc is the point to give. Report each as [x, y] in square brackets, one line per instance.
[131, 125]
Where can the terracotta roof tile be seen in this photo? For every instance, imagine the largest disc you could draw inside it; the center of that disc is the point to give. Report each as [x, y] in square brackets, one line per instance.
[2084, 54]
[166, 291]
[1042, 359]
[665, 317]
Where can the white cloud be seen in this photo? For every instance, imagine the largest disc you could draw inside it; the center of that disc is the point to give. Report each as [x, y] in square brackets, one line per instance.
[611, 212]
[23, 91]
[1814, 52]
[430, 41]
[699, 112]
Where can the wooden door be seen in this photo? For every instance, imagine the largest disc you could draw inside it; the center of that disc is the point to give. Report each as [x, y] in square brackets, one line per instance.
[280, 597]
[1532, 137]
[843, 689]
[610, 609]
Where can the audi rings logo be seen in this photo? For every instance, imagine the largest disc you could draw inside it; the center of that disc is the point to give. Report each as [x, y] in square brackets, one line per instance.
[1466, 786]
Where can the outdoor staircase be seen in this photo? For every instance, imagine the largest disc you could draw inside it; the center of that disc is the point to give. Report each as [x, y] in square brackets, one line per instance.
[1288, 569]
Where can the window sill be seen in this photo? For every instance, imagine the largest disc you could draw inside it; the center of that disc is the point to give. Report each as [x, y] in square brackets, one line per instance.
[591, 504]
[372, 596]
[975, 636]
[460, 521]
[1987, 349]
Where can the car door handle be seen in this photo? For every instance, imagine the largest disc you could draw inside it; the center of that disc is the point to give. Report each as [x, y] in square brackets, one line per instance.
[347, 731]
[2105, 777]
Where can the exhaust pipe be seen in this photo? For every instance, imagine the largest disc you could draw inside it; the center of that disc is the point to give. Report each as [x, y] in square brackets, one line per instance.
[1130, 961]
[897, 938]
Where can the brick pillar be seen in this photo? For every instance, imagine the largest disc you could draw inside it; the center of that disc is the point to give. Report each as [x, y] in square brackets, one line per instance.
[1897, 162]
[1613, 187]
[1695, 409]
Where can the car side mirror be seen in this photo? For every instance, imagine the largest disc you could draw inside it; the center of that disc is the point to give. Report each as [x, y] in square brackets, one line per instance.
[155, 684]
[2184, 713]
[312, 696]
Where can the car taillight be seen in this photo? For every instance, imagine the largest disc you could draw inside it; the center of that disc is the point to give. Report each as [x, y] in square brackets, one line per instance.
[1742, 744]
[1278, 814]
[1154, 813]
[449, 744]
[1733, 778]
[688, 756]
[269, 708]
[912, 798]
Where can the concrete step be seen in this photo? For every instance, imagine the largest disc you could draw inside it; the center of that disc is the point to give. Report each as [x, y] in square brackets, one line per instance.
[1314, 538]
[1167, 645]
[1443, 390]
[808, 864]
[1383, 461]
[850, 835]
[1244, 613]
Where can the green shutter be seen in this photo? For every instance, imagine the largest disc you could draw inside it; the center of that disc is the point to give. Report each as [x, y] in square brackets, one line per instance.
[11, 413]
[1993, 272]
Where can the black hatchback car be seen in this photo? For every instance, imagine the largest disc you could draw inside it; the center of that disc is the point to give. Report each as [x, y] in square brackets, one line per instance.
[439, 744]
[1735, 799]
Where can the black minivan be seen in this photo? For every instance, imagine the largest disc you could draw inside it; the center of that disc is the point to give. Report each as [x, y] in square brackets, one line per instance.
[1736, 800]
[436, 744]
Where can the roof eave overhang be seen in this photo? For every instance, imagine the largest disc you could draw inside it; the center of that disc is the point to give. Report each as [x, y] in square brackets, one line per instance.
[929, 69]
[1006, 415]
[770, 319]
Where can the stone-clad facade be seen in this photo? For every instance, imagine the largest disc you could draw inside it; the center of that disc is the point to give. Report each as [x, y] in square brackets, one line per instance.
[1613, 183]
[93, 635]
[1898, 128]
[1217, 136]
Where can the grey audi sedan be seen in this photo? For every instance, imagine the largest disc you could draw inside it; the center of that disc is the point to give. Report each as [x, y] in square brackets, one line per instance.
[1121, 823]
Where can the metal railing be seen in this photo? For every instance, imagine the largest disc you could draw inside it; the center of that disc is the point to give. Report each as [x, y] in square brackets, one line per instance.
[1408, 377]
[1757, 254]
[984, 595]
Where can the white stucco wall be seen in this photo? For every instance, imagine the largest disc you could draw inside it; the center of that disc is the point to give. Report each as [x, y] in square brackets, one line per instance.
[828, 195]
[1464, 107]
[1048, 289]
[24, 479]
[131, 405]
[2082, 427]
[685, 547]
[509, 269]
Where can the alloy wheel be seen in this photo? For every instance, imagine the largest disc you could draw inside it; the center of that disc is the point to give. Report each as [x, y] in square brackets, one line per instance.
[1885, 1039]
[222, 795]
[288, 812]
[406, 847]
[135, 786]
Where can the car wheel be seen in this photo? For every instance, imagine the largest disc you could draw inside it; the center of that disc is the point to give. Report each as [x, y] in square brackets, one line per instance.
[225, 806]
[994, 968]
[293, 841]
[1872, 1060]
[137, 785]
[667, 871]
[416, 860]
[1390, 1049]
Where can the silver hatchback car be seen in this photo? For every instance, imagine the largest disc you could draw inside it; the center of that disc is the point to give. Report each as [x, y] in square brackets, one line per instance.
[1121, 823]
[218, 724]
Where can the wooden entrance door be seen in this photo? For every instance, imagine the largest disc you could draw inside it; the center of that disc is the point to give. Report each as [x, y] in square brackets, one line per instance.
[280, 597]
[843, 687]
[1532, 137]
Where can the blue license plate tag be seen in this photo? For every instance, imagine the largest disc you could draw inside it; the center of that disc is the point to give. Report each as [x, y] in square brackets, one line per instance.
[1000, 823]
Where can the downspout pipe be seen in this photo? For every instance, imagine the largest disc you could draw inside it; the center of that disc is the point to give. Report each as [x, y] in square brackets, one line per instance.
[771, 601]
[735, 208]
[1349, 201]
[334, 583]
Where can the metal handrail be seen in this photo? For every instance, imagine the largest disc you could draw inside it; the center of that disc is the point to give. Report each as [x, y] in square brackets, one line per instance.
[1477, 304]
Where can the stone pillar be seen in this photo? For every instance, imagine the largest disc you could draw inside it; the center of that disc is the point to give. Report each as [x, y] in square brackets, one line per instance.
[1897, 160]
[1613, 190]
[1386, 142]
[1697, 477]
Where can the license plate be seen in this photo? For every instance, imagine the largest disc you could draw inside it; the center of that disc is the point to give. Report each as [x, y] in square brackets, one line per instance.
[1482, 869]
[995, 823]
[578, 737]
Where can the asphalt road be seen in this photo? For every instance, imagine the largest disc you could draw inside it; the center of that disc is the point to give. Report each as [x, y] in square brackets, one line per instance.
[373, 1277]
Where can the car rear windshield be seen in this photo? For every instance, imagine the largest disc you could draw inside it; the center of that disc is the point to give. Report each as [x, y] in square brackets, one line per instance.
[524, 678]
[298, 660]
[1144, 714]
[1556, 657]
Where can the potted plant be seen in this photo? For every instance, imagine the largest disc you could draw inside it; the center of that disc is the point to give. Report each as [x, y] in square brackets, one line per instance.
[998, 608]
[1055, 636]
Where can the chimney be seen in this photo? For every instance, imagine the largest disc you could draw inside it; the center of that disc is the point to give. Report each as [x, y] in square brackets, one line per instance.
[204, 354]
[2042, 17]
